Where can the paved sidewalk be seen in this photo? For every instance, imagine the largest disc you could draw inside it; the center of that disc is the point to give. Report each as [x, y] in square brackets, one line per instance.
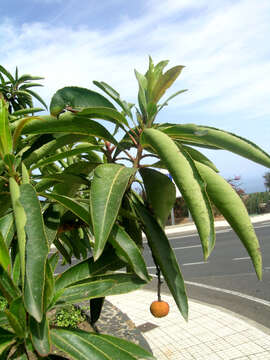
[181, 228]
[210, 334]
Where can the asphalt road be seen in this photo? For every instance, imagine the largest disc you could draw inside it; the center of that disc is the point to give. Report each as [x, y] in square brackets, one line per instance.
[227, 278]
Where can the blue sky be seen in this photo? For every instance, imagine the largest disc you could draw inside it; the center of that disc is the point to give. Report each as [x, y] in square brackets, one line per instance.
[223, 44]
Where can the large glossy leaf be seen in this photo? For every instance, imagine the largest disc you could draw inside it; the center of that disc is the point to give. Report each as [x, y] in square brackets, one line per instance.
[126, 248]
[77, 98]
[108, 186]
[48, 287]
[51, 218]
[17, 317]
[5, 135]
[27, 111]
[165, 258]
[89, 268]
[16, 270]
[233, 209]
[81, 345]
[123, 282]
[198, 156]
[36, 252]
[20, 221]
[4, 254]
[115, 96]
[79, 169]
[7, 287]
[7, 338]
[40, 150]
[160, 192]
[222, 139]
[67, 123]
[165, 81]
[40, 336]
[82, 292]
[3, 319]
[70, 204]
[65, 155]
[182, 169]
[142, 81]
[104, 113]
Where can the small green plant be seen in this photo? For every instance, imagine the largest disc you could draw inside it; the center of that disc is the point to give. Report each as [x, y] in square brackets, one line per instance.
[69, 317]
[3, 303]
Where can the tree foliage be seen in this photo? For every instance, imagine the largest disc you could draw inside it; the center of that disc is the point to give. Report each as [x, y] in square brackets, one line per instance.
[64, 181]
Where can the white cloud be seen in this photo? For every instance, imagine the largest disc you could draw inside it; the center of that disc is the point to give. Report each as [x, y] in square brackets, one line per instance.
[223, 44]
[224, 47]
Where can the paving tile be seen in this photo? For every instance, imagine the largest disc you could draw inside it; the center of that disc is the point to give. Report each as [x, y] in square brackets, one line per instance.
[210, 333]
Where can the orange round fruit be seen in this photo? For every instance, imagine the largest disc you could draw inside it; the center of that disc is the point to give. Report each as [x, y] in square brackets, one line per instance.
[159, 308]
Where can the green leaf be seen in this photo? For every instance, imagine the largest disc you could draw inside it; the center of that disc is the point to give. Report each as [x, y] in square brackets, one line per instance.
[7, 287]
[142, 81]
[3, 319]
[27, 77]
[126, 248]
[6, 339]
[170, 98]
[64, 155]
[115, 96]
[189, 182]
[39, 150]
[7, 74]
[40, 336]
[124, 282]
[233, 209]
[104, 113]
[81, 170]
[53, 260]
[71, 205]
[4, 253]
[20, 221]
[81, 345]
[17, 317]
[160, 192]
[224, 140]
[36, 244]
[165, 258]
[25, 175]
[27, 111]
[82, 292]
[62, 250]
[5, 134]
[48, 287]
[35, 95]
[19, 354]
[51, 218]
[67, 123]
[16, 270]
[165, 81]
[108, 186]
[198, 156]
[108, 262]
[77, 98]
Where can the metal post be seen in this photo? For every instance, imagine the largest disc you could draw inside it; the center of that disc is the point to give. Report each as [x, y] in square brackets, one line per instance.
[172, 216]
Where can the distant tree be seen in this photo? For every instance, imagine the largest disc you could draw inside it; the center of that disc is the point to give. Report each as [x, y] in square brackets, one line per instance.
[266, 177]
[16, 91]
